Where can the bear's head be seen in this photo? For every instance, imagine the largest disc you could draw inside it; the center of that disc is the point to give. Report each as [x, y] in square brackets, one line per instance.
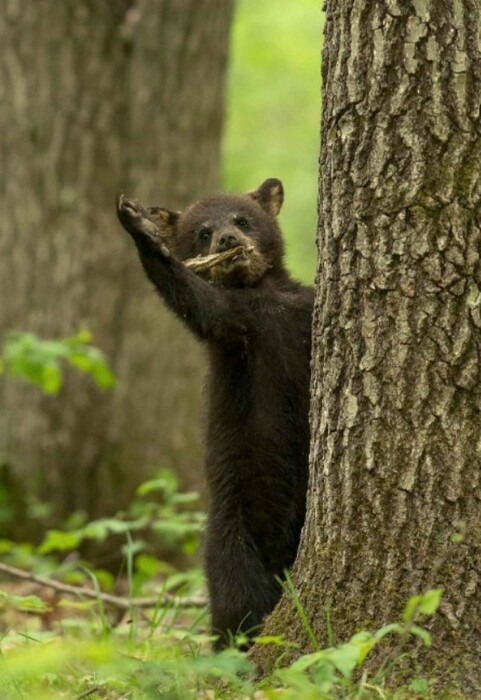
[225, 221]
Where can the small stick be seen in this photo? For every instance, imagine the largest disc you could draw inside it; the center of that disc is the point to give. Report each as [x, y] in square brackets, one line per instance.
[116, 601]
[205, 262]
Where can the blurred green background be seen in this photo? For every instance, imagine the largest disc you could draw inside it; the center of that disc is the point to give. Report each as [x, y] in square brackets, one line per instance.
[76, 137]
[273, 114]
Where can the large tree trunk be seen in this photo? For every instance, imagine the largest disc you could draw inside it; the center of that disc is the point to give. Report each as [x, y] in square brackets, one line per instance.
[97, 97]
[396, 392]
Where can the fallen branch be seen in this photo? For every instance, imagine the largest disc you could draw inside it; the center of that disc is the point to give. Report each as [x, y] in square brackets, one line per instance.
[116, 601]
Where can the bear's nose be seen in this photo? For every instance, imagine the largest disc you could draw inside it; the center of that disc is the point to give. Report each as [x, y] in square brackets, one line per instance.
[227, 240]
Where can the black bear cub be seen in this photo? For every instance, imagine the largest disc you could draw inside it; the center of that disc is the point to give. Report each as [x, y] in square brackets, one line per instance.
[256, 322]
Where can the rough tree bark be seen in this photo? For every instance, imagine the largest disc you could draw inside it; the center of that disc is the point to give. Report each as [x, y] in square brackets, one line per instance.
[396, 386]
[97, 97]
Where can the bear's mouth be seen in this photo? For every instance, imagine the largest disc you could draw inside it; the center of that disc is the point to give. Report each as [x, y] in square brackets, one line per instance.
[244, 269]
[240, 266]
[203, 263]
[242, 256]
[238, 259]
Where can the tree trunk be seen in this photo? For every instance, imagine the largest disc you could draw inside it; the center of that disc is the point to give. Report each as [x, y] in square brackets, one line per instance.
[97, 97]
[396, 392]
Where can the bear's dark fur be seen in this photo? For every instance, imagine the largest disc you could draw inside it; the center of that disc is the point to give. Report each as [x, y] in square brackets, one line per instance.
[256, 322]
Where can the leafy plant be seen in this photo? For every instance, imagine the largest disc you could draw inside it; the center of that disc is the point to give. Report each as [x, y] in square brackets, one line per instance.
[325, 672]
[159, 507]
[23, 603]
[174, 662]
[40, 361]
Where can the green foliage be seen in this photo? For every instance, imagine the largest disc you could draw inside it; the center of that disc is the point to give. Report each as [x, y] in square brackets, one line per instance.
[273, 114]
[51, 648]
[40, 361]
[23, 603]
[172, 660]
[109, 669]
[160, 508]
[289, 588]
[79, 648]
[163, 651]
[161, 517]
[425, 604]
[329, 673]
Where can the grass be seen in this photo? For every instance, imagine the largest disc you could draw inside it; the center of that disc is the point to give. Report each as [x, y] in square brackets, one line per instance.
[53, 645]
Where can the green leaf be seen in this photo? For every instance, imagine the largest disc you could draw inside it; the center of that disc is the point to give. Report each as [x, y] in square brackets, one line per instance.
[422, 634]
[420, 686]
[147, 564]
[188, 497]
[346, 657]
[102, 528]
[81, 361]
[133, 547]
[51, 378]
[103, 376]
[190, 544]
[387, 629]
[308, 660]
[364, 641]
[289, 678]
[276, 639]
[91, 361]
[430, 601]
[37, 360]
[83, 337]
[106, 579]
[29, 603]
[5, 546]
[166, 482]
[411, 608]
[426, 604]
[60, 541]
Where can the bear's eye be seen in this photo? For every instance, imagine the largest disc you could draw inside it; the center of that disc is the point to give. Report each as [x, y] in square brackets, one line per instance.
[204, 234]
[241, 222]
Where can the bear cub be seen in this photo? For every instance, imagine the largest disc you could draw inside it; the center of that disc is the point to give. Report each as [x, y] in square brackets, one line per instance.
[256, 323]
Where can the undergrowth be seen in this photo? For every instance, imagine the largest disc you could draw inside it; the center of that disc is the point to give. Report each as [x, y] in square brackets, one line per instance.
[69, 629]
[150, 638]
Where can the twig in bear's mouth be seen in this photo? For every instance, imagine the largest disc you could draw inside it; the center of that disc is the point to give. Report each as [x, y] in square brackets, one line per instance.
[206, 262]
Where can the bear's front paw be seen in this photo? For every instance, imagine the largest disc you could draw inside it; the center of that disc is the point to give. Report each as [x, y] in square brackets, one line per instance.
[136, 221]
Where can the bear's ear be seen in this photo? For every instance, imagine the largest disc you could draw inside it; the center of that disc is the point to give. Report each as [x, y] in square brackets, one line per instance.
[165, 220]
[270, 196]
